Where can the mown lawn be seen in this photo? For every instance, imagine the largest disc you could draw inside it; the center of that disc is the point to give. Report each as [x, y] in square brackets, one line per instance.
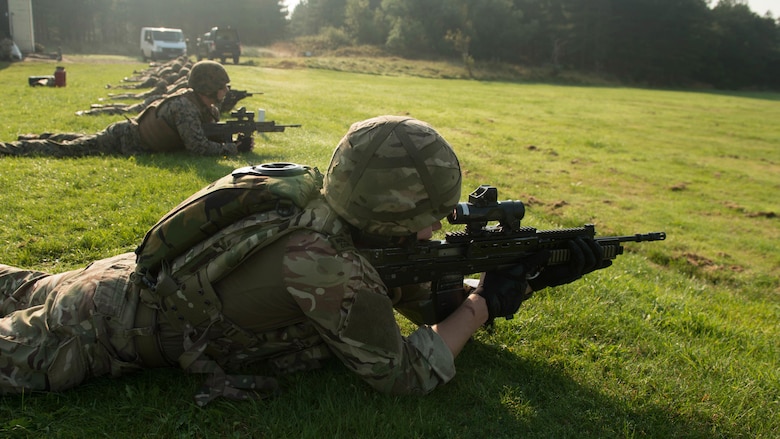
[677, 339]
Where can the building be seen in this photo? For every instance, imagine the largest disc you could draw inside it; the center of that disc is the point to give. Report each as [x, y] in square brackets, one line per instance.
[16, 22]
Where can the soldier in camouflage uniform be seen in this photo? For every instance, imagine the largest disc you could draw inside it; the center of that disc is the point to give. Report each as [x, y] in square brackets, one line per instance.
[154, 68]
[161, 88]
[305, 297]
[160, 91]
[172, 124]
[117, 108]
[226, 105]
[167, 73]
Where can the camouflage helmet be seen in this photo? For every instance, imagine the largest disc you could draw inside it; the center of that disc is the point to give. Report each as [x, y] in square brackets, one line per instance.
[392, 176]
[207, 77]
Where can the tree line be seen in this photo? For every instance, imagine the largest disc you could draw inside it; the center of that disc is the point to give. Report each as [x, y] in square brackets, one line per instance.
[660, 42]
[102, 24]
[654, 42]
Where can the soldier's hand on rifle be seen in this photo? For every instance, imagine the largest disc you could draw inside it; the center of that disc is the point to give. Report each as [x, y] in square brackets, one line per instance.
[586, 255]
[505, 290]
[245, 143]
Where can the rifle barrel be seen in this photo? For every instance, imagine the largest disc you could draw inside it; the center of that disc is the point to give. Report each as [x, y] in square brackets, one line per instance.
[639, 237]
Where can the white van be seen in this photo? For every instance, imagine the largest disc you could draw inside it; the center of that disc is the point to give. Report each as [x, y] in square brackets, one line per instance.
[162, 43]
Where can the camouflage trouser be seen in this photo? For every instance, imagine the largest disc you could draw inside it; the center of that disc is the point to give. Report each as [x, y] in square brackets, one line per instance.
[146, 82]
[119, 138]
[118, 108]
[56, 331]
[112, 109]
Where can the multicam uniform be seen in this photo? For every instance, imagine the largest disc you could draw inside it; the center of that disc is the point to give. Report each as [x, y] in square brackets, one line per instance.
[116, 108]
[159, 92]
[175, 123]
[227, 104]
[165, 74]
[304, 299]
[305, 294]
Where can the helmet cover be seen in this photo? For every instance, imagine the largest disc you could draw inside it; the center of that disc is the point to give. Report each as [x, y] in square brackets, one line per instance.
[392, 176]
[208, 77]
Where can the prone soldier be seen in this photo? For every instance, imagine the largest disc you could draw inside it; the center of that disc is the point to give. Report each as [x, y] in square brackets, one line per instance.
[174, 123]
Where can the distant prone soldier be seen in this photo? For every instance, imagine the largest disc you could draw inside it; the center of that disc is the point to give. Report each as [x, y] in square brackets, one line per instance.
[172, 124]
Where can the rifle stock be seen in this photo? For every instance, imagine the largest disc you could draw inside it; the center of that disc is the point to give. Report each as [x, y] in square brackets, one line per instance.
[477, 249]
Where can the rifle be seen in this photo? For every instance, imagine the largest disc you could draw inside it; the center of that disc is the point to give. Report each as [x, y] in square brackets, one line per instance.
[244, 123]
[476, 249]
[232, 97]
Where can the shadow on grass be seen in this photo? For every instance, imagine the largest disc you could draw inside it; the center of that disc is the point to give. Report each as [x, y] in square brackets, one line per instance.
[495, 395]
[536, 398]
[209, 168]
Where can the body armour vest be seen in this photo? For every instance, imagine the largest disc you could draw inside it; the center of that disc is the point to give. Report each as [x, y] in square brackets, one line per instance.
[156, 134]
[185, 295]
[181, 285]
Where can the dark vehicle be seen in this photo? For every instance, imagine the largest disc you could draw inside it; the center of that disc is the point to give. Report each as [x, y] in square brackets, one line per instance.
[219, 43]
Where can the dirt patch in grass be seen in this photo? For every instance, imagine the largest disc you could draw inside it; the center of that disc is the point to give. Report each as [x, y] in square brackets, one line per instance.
[760, 214]
[708, 265]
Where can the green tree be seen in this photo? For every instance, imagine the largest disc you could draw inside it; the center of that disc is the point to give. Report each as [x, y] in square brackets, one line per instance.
[260, 22]
[744, 48]
[312, 16]
[419, 27]
[497, 29]
[657, 41]
[461, 43]
[587, 35]
[363, 22]
[75, 22]
[664, 42]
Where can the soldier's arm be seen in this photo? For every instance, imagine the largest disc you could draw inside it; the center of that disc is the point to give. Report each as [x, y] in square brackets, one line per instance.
[341, 294]
[459, 326]
[182, 115]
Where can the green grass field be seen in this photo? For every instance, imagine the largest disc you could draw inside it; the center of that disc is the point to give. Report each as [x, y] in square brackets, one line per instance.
[677, 339]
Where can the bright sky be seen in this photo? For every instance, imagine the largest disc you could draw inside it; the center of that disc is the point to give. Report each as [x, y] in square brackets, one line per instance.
[757, 6]
[761, 6]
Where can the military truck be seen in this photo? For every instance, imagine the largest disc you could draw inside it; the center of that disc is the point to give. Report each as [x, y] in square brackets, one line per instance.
[219, 43]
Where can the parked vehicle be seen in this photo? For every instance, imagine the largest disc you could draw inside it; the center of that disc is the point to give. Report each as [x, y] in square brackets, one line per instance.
[162, 43]
[220, 43]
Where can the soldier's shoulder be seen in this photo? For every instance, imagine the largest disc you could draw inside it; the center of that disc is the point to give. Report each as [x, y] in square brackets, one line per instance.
[179, 100]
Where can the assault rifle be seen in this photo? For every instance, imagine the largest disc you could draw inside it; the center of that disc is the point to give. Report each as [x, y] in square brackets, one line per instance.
[244, 123]
[476, 249]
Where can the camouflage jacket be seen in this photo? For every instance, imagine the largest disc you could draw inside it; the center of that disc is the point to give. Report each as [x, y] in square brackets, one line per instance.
[304, 298]
[310, 295]
[182, 113]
